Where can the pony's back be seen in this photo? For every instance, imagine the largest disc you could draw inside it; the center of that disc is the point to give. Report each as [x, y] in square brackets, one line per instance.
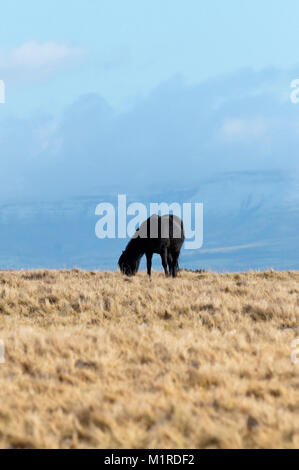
[168, 226]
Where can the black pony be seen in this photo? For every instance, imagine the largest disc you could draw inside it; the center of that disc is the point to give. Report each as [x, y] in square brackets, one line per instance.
[163, 235]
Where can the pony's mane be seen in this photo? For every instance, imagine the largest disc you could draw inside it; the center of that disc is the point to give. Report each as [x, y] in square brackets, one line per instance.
[133, 244]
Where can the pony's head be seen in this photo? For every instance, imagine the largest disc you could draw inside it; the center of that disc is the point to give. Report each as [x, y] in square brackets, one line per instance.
[128, 264]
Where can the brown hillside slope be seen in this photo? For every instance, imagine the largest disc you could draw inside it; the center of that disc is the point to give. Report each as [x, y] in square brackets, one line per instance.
[99, 360]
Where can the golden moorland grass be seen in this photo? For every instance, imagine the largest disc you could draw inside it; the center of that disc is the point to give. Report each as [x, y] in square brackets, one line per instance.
[99, 360]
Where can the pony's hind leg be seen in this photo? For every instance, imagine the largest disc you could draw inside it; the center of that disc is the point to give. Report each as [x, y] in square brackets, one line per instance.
[175, 264]
[169, 261]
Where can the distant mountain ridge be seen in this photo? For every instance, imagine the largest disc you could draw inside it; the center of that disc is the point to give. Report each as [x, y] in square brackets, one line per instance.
[251, 221]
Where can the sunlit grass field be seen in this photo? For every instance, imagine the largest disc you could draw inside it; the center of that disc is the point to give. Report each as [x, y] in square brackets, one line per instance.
[98, 360]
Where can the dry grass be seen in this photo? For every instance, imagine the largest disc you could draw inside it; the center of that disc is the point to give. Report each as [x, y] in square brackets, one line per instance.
[99, 360]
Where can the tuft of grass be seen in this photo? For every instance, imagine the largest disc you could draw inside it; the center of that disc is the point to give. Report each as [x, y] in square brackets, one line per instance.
[97, 360]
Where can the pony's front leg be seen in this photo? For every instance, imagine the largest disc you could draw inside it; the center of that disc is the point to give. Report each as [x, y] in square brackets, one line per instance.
[149, 263]
[164, 260]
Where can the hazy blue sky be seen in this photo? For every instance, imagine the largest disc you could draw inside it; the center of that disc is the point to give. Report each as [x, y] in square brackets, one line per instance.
[123, 49]
[143, 92]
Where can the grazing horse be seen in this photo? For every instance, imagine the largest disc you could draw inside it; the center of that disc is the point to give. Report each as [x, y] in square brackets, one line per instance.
[163, 235]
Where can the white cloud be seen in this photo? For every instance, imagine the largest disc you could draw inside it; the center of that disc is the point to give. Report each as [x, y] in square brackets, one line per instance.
[243, 129]
[33, 56]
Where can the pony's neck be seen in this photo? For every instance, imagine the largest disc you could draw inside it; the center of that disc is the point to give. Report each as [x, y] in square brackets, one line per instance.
[135, 249]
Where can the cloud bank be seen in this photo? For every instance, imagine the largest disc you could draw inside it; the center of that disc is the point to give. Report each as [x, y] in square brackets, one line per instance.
[178, 135]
